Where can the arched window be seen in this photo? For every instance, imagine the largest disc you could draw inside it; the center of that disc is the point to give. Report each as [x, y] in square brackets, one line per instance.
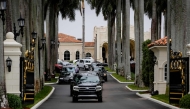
[88, 55]
[66, 55]
[77, 55]
[165, 72]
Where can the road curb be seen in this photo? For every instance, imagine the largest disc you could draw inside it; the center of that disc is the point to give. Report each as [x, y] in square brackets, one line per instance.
[135, 90]
[118, 80]
[43, 100]
[157, 101]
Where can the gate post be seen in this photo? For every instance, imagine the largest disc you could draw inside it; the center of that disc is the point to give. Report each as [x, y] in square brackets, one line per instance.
[12, 50]
[188, 53]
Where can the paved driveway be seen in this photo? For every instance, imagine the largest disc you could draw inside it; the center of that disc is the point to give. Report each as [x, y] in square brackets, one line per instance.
[115, 96]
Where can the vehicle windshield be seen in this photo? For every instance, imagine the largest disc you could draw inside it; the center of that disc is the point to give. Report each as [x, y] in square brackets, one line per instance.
[71, 69]
[89, 79]
[97, 69]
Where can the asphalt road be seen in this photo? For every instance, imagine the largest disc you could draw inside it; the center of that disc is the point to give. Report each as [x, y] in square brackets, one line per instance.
[115, 96]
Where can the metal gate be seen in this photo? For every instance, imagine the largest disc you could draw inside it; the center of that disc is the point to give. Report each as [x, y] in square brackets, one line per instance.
[27, 77]
[178, 77]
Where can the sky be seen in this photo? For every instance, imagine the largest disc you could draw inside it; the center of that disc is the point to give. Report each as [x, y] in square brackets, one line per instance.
[74, 28]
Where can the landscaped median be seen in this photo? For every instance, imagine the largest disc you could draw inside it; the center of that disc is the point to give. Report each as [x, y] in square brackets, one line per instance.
[122, 79]
[40, 97]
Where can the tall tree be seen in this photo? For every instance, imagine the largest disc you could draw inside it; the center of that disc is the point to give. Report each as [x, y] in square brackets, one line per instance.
[139, 38]
[107, 7]
[118, 35]
[126, 38]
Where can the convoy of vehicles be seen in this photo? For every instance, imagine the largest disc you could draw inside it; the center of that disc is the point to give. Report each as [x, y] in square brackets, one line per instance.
[87, 85]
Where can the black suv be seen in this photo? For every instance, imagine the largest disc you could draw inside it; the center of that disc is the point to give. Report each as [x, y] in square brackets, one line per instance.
[87, 87]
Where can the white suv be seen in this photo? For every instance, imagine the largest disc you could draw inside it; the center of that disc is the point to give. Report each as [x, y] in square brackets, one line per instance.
[84, 63]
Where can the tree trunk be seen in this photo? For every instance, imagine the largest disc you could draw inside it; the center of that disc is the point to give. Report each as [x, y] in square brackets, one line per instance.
[113, 40]
[126, 39]
[3, 96]
[154, 29]
[139, 38]
[109, 41]
[118, 35]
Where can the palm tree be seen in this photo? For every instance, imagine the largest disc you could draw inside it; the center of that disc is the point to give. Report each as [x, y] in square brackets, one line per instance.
[107, 7]
[139, 38]
[126, 38]
[118, 35]
[67, 9]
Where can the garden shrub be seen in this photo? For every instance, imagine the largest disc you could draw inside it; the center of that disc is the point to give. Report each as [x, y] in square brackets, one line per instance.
[185, 102]
[147, 65]
[14, 101]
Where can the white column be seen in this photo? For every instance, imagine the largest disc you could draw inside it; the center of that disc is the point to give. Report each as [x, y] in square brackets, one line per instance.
[188, 53]
[12, 50]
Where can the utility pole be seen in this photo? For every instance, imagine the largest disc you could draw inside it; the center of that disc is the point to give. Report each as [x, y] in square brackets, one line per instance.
[83, 28]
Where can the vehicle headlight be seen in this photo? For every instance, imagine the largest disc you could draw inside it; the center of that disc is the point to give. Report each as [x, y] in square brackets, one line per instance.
[104, 74]
[98, 88]
[76, 88]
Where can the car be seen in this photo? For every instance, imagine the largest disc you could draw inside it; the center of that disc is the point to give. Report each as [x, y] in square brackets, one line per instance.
[87, 87]
[84, 63]
[66, 75]
[101, 72]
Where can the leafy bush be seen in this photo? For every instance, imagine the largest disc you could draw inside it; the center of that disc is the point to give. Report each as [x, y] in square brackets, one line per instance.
[185, 102]
[71, 61]
[14, 101]
[147, 65]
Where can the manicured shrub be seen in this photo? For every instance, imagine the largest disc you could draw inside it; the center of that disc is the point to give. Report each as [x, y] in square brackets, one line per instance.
[14, 101]
[185, 102]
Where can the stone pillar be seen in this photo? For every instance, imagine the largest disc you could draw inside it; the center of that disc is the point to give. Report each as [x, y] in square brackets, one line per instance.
[12, 50]
[188, 54]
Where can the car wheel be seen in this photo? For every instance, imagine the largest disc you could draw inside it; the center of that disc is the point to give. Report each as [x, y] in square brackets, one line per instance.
[99, 99]
[75, 99]
[71, 93]
[106, 79]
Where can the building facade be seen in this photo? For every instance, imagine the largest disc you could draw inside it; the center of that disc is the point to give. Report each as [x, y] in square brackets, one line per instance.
[70, 48]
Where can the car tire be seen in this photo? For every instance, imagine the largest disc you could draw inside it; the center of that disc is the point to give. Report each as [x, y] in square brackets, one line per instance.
[75, 99]
[71, 93]
[99, 99]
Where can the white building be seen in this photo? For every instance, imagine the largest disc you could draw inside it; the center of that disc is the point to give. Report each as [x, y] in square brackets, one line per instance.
[71, 48]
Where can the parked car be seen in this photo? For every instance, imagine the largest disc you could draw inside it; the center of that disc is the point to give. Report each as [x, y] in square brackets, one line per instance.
[88, 87]
[67, 73]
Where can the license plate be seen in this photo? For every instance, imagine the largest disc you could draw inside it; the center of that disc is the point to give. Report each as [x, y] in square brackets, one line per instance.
[61, 78]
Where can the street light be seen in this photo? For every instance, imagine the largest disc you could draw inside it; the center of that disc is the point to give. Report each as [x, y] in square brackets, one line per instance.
[9, 63]
[21, 23]
[58, 43]
[2, 9]
[43, 40]
[52, 43]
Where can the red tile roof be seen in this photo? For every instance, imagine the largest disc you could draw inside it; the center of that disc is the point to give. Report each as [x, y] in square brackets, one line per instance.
[67, 38]
[159, 42]
[89, 44]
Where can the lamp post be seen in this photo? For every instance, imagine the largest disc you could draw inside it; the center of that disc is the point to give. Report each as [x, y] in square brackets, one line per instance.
[2, 9]
[9, 63]
[52, 43]
[21, 23]
[43, 40]
[34, 36]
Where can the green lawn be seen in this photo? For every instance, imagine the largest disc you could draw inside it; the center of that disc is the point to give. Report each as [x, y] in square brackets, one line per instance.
[53, 80]
[162, 97]
[39, 96]
[134, 87]
[121, 78]
[108, 69]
